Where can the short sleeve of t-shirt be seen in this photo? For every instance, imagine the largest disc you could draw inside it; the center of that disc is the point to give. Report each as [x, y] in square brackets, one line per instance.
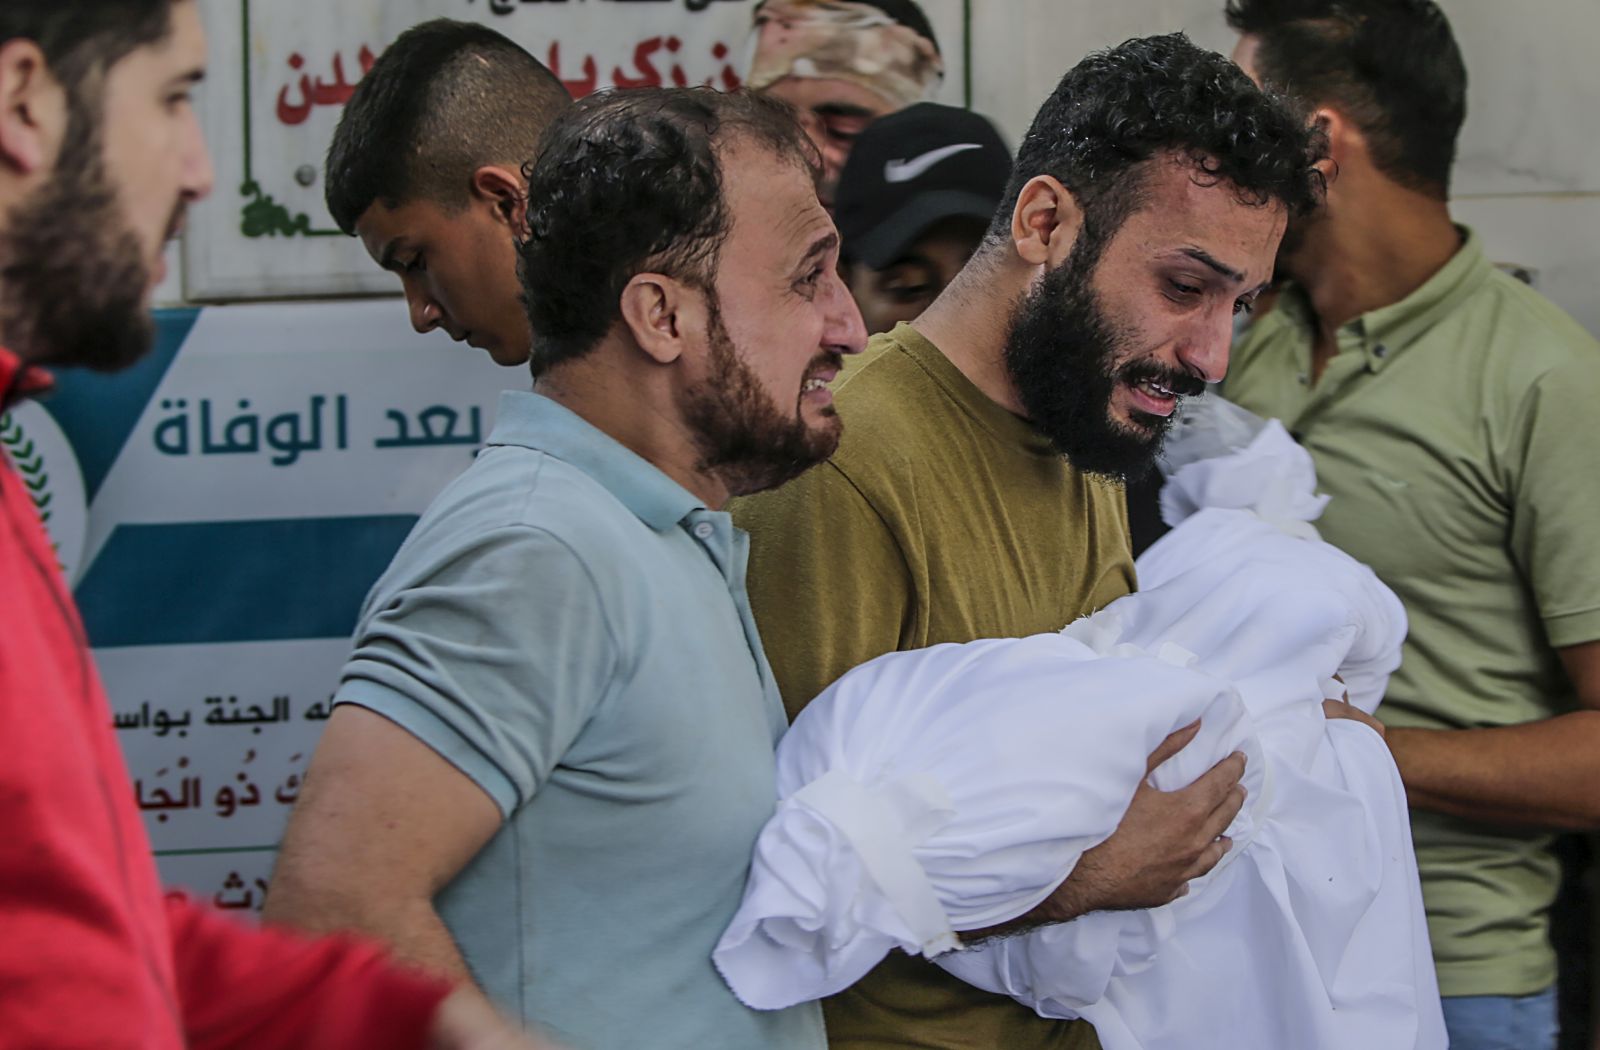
[1556, 498]
[493, 653]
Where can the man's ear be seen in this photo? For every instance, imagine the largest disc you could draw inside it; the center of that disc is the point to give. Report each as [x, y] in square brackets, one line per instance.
[661, 315]
[33, 109]
[1344, 140]
[1045, 222]
[502, 188]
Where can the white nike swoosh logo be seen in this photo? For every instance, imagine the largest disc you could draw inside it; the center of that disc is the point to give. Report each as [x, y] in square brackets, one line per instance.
[906, 170]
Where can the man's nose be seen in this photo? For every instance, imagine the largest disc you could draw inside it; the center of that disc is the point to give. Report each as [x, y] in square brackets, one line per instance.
[845, 331]
[425, 313]
[1205, 353]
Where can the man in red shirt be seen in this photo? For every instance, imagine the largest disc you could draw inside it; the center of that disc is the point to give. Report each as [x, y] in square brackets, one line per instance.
[100, 154]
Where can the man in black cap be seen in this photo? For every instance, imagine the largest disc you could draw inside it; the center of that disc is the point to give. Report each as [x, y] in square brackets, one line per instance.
[913, 202]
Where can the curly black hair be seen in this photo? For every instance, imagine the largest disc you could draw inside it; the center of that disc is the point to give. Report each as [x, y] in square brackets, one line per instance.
[1391, 66]
[1121, 107]
[629, 181]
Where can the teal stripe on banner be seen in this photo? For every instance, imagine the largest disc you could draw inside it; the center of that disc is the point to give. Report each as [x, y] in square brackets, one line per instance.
[99, 411]
[236, 581]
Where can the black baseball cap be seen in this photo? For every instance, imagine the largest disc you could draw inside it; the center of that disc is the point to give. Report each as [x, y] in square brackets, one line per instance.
[914, 168]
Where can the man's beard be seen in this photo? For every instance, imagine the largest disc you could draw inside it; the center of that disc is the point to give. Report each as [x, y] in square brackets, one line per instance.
[72, 274]
[743, 436]
[1061, 355]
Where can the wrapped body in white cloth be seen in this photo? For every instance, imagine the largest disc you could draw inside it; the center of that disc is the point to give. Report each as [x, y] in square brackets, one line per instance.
[953, 788]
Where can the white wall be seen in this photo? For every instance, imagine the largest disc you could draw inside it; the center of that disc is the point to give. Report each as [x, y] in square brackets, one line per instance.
[1529, 170]
[1020, 48]
[1528, 177]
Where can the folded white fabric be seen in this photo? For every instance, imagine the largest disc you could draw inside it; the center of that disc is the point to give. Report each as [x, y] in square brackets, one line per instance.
[1207, 427]
[953, 788]
[1268, 475]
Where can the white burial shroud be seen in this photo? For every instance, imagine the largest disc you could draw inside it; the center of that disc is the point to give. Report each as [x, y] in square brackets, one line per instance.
[952, 788]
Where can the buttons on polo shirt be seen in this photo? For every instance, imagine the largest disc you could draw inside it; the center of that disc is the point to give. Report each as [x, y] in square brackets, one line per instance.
[704, 530]
[1380, 351]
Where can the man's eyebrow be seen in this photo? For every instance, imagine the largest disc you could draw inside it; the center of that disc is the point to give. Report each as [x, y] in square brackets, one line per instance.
[819, 247]
[188, 78]
[1200, 255]
[910, 258]
[841, 109]
[386, 257]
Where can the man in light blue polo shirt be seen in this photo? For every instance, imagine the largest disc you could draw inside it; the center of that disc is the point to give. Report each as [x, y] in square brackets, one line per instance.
[553, 746]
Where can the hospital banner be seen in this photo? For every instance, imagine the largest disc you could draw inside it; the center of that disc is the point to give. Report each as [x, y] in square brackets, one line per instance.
[221, 511]
[282, 71]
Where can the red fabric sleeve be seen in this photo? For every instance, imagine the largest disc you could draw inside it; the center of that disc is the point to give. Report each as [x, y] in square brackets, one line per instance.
[91, 957]
[242, 986]
[83, 942]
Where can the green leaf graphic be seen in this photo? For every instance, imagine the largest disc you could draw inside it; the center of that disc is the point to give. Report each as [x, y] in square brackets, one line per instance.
[29, 462]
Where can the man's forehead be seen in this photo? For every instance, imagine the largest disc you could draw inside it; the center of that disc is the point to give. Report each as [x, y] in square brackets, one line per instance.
[183, 48]
[802, 225]
[1186, 211]
[831, 96]
[174, 62]
[772, 197]
[385, 229]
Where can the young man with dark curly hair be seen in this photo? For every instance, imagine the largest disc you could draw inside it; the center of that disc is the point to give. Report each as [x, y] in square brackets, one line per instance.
[976, 492]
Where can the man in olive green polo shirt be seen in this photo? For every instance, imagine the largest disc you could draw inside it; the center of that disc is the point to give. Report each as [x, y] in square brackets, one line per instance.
[975, 490]
[1450, 412]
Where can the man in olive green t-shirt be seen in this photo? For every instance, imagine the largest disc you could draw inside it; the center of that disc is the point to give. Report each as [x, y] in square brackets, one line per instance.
[1450, 413]
[1105, 289]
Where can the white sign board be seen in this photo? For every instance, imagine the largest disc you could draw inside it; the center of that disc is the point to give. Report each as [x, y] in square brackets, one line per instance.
[283, 69]
[222, 510]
